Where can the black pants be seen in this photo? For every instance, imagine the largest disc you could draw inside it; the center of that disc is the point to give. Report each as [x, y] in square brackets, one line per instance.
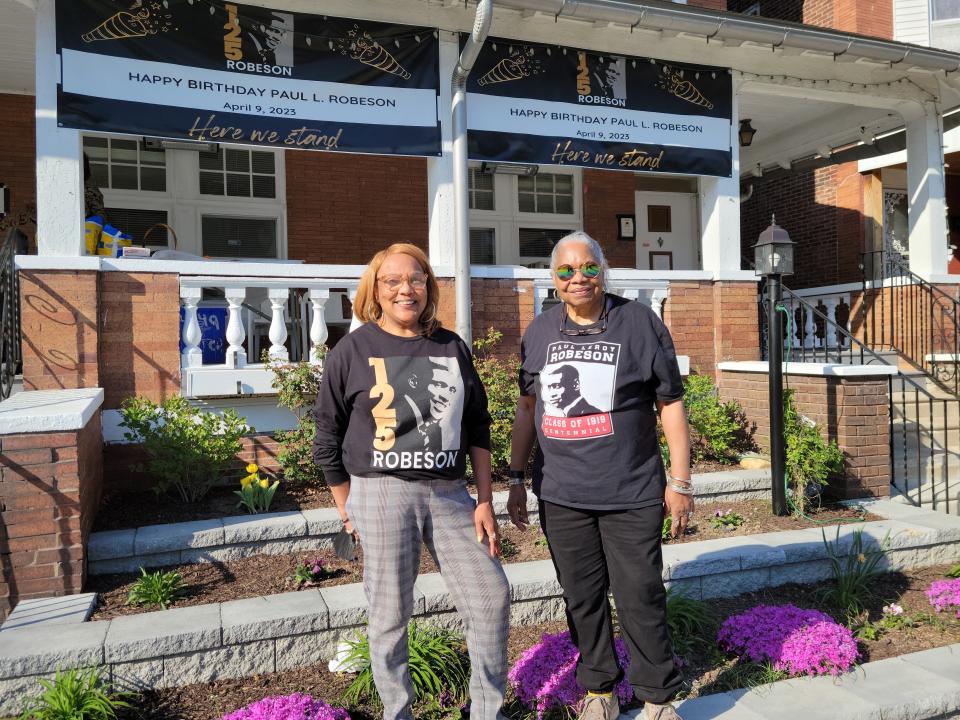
[595, 551]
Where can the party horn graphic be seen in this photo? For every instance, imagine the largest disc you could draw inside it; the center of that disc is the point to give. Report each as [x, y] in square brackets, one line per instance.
[365, 49]
[515, 67]
[674, 84]
[120, 26]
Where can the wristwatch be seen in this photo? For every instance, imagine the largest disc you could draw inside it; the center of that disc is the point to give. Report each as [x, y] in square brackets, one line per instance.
[517, 477]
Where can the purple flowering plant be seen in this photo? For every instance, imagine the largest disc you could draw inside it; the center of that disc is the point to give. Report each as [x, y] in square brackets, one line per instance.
[945, 595]
[544, 678]
[311, 572]
[794, 640]
[288, 707]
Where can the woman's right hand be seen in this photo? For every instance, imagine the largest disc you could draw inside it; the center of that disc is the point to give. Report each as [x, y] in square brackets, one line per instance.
[517, 506]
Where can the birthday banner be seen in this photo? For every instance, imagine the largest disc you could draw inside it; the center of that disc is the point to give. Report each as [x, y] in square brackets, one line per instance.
[220, 71]
[562, 106]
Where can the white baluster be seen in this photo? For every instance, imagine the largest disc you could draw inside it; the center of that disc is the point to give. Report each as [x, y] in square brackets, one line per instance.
[236, 355]
[831, 330]
[809, 328]
[794, 330]
[657, 300]
[630, 293]
[278, 325]
[318, 323]
[192, 355]
[540, 293]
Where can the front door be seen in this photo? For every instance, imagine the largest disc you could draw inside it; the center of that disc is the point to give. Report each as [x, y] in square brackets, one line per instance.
[666, 231]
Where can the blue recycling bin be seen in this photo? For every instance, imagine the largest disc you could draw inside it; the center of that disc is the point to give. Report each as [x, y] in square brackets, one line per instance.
[213, 334]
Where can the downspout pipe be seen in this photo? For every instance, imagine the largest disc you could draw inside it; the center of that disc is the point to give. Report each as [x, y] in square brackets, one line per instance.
[461, 272]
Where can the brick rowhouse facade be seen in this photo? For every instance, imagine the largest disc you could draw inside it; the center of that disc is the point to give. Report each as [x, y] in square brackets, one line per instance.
[18, 162]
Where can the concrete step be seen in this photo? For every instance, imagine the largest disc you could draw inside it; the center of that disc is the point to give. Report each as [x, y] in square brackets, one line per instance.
[258, 635]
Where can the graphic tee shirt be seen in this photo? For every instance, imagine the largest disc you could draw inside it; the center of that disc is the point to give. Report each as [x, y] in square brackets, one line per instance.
[595, 414]
[410, 407]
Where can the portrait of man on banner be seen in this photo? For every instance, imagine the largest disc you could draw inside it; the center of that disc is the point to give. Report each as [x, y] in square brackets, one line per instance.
[269, 38]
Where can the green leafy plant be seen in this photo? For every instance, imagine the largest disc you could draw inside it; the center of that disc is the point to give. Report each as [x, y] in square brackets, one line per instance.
[309, 573]
[541, 541]
[954, 572]
[508, 548]
[853, 572]
[159, 588]
[297, 385]
[256, 493]
[714, 424]
[499, 378]
[665, 529]
[76, 694]
[727, 520]
[690, 622]
[438, 663]
[811, 461]
[190, 450]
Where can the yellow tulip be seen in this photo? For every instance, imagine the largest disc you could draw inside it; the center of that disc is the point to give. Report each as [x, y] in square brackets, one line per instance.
[245, 482]
[252, 468]
[264, 483]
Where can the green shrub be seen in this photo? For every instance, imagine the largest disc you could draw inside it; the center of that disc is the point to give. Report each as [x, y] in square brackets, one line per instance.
[297, 385]
[73, 695]
[714, 424]
[190, 450]
[438, 663]
[852, 574]
[810, 460]
[690, 622]
[159, 588]
[499, 378]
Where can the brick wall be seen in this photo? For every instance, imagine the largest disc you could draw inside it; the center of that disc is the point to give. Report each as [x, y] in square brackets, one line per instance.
[343, 208]
[709, 4]
[60, 332]
[50, 486]
[506, 305]
[865, 17]
[17, 162]
[851, 411]
[605, 194]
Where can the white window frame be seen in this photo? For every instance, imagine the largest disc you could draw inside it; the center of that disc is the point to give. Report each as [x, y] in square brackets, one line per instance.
[185, 206]
[507, 219]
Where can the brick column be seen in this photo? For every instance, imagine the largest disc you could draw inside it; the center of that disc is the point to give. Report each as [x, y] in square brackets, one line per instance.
[852, 410]
[50, 485]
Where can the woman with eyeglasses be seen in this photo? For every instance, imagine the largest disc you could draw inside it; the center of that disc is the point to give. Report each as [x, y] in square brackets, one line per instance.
[399, 410]
[594, 368]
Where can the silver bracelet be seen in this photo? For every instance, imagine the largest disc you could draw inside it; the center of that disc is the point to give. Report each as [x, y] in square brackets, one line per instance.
[681, 489]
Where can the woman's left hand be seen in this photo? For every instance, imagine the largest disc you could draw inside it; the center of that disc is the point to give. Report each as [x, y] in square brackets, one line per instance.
[679, 508]
[485, 523]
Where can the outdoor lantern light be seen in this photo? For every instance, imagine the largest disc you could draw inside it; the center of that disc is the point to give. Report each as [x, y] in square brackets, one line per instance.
[773, 253]
[746, 132]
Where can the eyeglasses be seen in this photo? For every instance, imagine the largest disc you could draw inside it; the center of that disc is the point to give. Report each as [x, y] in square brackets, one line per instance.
[591, 330]
[589, 270]
[418, 281]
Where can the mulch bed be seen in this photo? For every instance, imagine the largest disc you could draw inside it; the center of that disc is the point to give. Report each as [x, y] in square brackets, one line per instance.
[704, 674]
[119, 511]
[271, 574]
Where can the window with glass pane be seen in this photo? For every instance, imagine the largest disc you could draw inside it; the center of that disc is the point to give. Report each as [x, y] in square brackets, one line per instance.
[233, 172]
[239, 237]
[481, 190]
[945, 9]
[539, 242]
[483, 246]
[550, 193]
[124, 164]
[137, 222]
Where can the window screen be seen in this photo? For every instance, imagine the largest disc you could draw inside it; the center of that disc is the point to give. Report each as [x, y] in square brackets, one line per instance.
[545, 193]
[945, 9]
[239, 237]
[483, 246]
[481, 190]
[536, 242]
[137, 222]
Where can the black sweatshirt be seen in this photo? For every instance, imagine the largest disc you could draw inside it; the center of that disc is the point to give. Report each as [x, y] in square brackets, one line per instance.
[405, 406]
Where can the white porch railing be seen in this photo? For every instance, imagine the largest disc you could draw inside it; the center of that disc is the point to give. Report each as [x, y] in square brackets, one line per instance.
[834, 302]
[251, 301]
[652, 293]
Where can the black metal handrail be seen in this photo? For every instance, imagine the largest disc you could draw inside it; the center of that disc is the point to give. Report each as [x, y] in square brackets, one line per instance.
[10, 350]
[903, 312]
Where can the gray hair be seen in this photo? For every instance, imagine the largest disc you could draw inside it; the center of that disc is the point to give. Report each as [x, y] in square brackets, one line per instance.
[579, 237]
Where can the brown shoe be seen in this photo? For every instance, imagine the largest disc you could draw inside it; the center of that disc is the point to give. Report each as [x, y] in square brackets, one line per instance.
[599, 707]
[652, 711]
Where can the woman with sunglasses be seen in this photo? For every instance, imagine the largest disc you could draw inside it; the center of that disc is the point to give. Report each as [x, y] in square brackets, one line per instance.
[593, 369]
[399, 410]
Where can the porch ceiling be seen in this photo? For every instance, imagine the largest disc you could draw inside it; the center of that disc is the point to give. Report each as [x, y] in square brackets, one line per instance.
[17, 38]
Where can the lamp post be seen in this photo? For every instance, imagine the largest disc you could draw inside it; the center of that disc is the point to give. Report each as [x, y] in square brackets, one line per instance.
[773, 258]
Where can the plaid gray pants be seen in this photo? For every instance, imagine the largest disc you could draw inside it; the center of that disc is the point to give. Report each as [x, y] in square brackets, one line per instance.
[394, 517]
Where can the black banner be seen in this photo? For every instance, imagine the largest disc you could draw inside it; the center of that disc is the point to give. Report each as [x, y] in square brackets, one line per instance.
[221, 71]
[532, 103]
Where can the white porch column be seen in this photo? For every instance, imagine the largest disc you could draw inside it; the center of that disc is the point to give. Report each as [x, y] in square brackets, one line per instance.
[440, 169]
[60, 205]
[192, 355]
[926, 192]
[720, 206]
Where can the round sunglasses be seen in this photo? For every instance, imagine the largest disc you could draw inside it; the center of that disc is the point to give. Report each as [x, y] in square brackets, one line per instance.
[589, 270]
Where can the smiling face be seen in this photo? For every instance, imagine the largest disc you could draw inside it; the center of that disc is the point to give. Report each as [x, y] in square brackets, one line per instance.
[401, 303]
[579, 293]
